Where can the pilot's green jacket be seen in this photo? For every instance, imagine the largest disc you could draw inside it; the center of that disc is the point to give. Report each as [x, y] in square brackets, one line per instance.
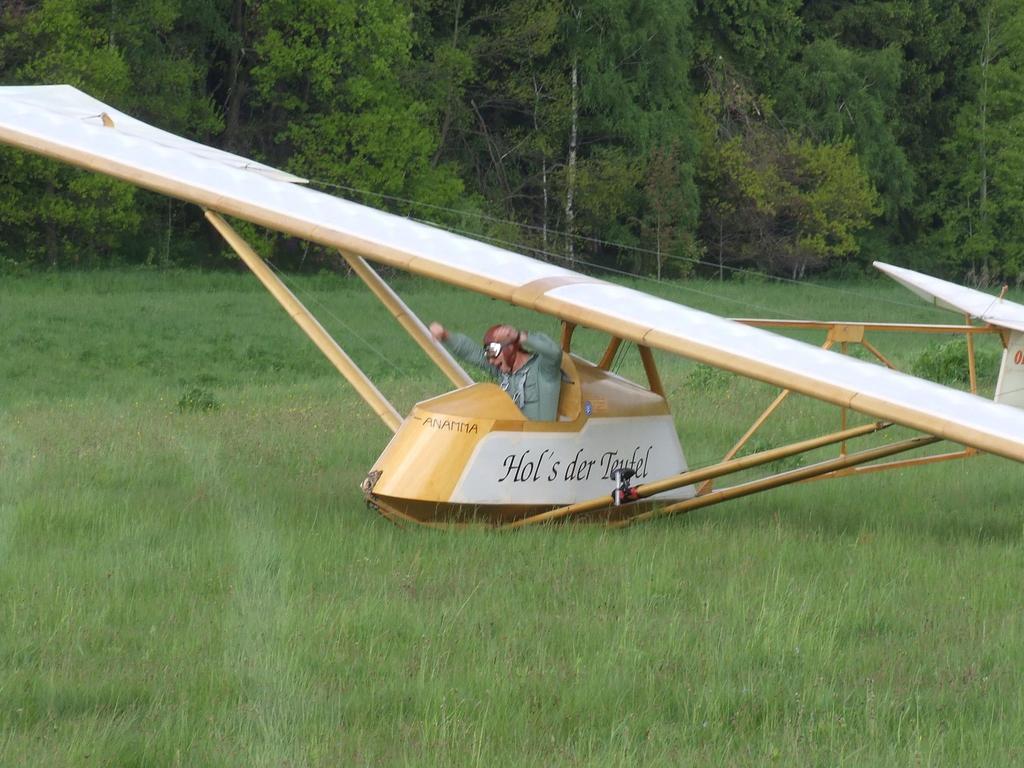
[535, 387]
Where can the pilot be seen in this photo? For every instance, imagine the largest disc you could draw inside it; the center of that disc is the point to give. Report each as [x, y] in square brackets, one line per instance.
[528, 366]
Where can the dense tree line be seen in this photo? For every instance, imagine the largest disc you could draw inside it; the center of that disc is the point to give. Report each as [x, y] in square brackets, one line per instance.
[651, 136]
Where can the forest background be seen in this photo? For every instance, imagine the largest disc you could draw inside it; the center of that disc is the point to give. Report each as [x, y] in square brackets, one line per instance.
[656, 137]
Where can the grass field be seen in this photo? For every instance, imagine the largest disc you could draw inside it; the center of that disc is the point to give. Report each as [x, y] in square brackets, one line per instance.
[188, 575]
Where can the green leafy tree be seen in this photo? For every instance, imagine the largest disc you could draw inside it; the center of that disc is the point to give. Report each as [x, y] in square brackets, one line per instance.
[833, 199]
[631, 64]
[330, 76]
[494, 77]
[789, 204]
[55, 214]
[981, 199]
[760, 37]
[166, 45]
[899, 67]
[553, 111]
[144, 57]
[837, 93]
[667, 225]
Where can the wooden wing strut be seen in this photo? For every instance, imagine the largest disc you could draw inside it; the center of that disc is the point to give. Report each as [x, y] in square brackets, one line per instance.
[309, 324]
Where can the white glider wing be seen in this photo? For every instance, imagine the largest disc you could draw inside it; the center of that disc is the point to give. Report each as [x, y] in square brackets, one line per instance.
[52, 123]
[990, 309]
[72, 103]
[958, 298]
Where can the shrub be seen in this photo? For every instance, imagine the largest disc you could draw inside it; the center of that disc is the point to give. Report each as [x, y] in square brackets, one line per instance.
[197, 399]
[703, 378]
[946, 362]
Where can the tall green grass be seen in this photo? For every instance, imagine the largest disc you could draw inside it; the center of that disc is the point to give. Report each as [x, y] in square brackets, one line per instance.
[192, 585]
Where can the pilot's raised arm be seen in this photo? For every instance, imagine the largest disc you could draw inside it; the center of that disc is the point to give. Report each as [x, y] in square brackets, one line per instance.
[528, 366]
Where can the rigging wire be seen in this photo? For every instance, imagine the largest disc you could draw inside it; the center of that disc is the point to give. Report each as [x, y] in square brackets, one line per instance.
[606, 243]
[324, 309]
[602, 267]
[620, 356]
[995, 300]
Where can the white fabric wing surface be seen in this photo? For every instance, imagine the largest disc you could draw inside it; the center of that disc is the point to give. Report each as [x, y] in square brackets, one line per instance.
[958, 298]
[72, 103]
[62, 123]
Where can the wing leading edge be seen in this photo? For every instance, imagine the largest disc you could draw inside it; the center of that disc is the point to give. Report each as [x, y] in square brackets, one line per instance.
[994, 310]
[958, 298]
[30, 121]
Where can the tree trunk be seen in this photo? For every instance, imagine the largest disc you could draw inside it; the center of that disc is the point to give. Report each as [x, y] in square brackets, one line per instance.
[543, 173]
[449, 106]
[111, 39]
[237, 81]
[986, 60]
[51, 229]
[570, 186]
[657, 249]
[721, 250]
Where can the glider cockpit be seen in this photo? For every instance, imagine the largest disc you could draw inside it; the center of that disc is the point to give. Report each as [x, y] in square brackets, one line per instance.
[471, 452]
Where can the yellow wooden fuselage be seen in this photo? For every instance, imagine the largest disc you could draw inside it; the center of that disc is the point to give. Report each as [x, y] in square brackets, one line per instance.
[471, 454]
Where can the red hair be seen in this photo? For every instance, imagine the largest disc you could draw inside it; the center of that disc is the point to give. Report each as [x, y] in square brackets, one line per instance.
[509, 350]
[492, 332]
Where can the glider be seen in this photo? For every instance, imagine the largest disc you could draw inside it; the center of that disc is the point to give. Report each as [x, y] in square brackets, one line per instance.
[613, 454]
